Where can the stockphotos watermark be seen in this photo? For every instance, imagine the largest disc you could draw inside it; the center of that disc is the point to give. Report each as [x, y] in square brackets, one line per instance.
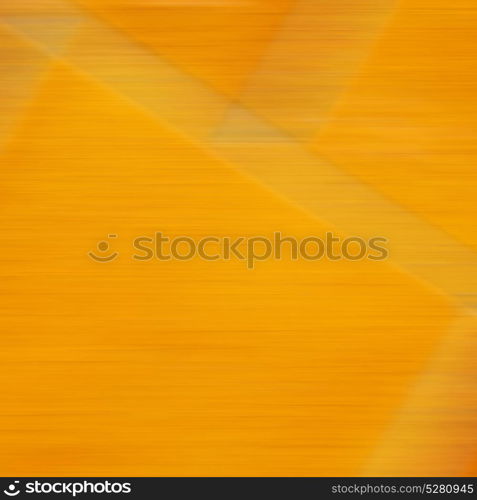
[250, 250]
[72, 488]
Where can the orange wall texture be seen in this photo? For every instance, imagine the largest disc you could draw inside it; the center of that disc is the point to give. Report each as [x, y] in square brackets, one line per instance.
[238, 117]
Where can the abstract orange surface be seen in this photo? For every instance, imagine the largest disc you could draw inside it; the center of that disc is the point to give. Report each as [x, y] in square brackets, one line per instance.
[238, 117]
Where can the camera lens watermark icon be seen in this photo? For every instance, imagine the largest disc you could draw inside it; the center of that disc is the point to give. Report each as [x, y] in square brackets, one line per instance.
[104, 251]
[12, 490]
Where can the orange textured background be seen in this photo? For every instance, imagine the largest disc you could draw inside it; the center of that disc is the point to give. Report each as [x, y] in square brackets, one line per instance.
[238, 117]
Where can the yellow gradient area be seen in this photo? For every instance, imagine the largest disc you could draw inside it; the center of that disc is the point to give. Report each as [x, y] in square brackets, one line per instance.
[219, 41]
[238, 118]
[407, 124]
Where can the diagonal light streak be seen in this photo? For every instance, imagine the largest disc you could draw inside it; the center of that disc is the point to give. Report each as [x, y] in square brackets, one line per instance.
[271, 158]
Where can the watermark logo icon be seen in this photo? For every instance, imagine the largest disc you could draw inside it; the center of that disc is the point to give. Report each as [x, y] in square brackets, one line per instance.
[12, 490]
[103, 250]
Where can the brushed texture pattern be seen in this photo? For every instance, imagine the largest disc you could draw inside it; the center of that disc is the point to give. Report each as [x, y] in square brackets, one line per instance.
[228, 118]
